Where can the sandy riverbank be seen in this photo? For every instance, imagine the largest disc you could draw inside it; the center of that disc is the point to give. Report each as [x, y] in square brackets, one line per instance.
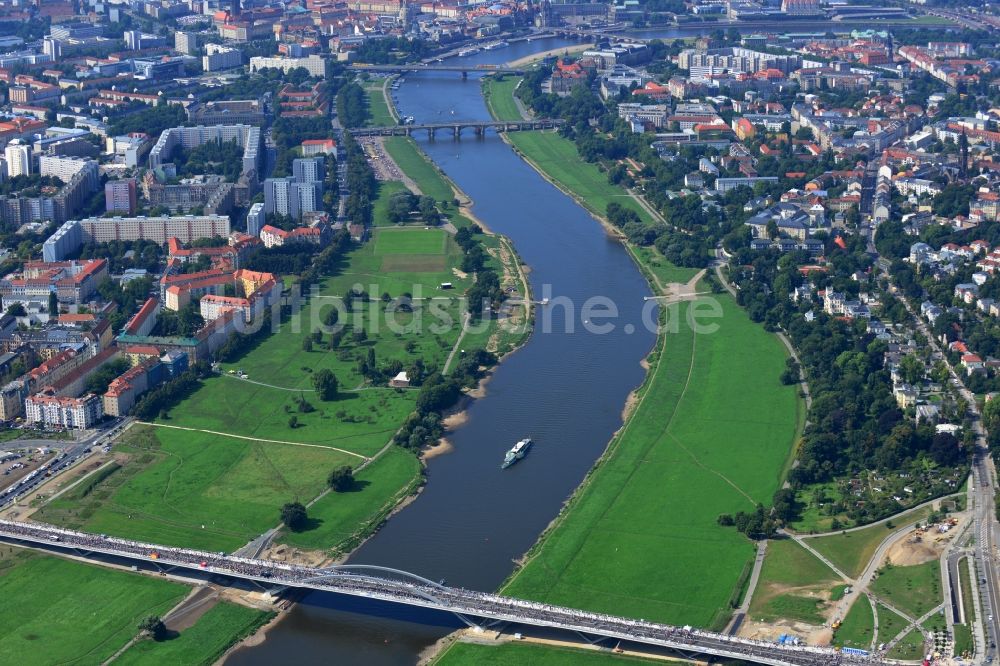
[534, 57]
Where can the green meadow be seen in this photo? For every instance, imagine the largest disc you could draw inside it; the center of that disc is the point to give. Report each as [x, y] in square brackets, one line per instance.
[220, 489]
[711, 435]
[221, 627]
[88, 614]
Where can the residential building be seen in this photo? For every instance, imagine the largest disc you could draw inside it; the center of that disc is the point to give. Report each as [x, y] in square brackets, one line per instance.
[119, 196]
[64, 168]
[314, 64]
[18, 157]
[218, 57]
[186, 228]
[247, 136]
[63, 412]
[256, 219]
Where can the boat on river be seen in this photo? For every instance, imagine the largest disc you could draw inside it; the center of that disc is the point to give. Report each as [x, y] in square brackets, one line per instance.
[516, 452]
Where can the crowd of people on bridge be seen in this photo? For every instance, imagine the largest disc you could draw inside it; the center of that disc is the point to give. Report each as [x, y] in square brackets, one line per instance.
[407, 588]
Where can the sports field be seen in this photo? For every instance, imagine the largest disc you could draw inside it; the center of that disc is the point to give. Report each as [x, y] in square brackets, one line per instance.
[499, 97]
[84, 615]
[200, 489]
[711, 435]
[410, 241]
[520, 654]
[216, 631]
[558, 158]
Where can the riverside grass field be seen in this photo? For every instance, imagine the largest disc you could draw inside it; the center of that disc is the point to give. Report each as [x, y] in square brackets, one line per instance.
[712, 433]
[221, 627]
[183, 486]
[94, 614]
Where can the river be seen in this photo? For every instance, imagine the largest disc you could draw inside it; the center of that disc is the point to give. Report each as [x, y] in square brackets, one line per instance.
[564, 390]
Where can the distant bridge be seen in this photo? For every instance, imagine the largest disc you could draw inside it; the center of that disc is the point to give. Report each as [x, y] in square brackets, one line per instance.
[395, 586]
[421, 67]
[456, 128]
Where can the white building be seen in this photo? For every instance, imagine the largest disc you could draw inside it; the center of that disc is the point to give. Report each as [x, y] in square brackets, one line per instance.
[60, 412]
[64, 168]
[220, 57]
[18, 156]
[314, 64]
[186, 228]
[255, 219]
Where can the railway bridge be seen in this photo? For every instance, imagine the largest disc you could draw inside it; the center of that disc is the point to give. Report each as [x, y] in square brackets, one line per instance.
[479, 127]
[391, 585]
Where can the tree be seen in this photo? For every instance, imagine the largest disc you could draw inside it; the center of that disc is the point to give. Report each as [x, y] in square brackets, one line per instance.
[16, 309]
[307, 344]
[294, 516]
[153, 627]
[53, 304]
[341, 479]
[293, 422]
[325, 383]
[912, 369]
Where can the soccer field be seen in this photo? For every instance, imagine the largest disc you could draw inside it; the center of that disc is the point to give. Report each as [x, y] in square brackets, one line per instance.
[410, 241]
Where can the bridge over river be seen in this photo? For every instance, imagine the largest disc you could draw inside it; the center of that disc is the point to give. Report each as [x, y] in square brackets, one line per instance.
[424, 67]
[390, 585]
[479, 126]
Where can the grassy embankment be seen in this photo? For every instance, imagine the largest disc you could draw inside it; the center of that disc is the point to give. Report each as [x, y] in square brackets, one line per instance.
[63, 612]
[964, 642]
[518, 654]
[498, 338]
[216, 631]
[711, 434]
[379, 113]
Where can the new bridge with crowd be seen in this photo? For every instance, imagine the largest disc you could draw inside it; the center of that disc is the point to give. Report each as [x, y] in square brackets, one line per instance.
[390, 585]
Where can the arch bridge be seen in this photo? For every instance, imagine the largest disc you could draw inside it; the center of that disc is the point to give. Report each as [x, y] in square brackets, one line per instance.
[480, 609]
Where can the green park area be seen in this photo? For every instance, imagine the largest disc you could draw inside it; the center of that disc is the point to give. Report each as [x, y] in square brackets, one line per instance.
[91, 613]
[858, 628]
[915, 590]
[214, 473]
[378, 111]
[793, 585]
[412, 161]
[221, 627]
[710, 435]
[910, 647]
[852, 550]
[558, 159]
[518, 654]
[499, 96]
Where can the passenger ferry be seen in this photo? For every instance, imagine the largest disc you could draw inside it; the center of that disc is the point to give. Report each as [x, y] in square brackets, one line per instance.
[518, 451]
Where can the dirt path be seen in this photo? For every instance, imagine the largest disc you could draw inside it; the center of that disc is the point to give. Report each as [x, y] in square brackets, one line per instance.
[254, 439]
